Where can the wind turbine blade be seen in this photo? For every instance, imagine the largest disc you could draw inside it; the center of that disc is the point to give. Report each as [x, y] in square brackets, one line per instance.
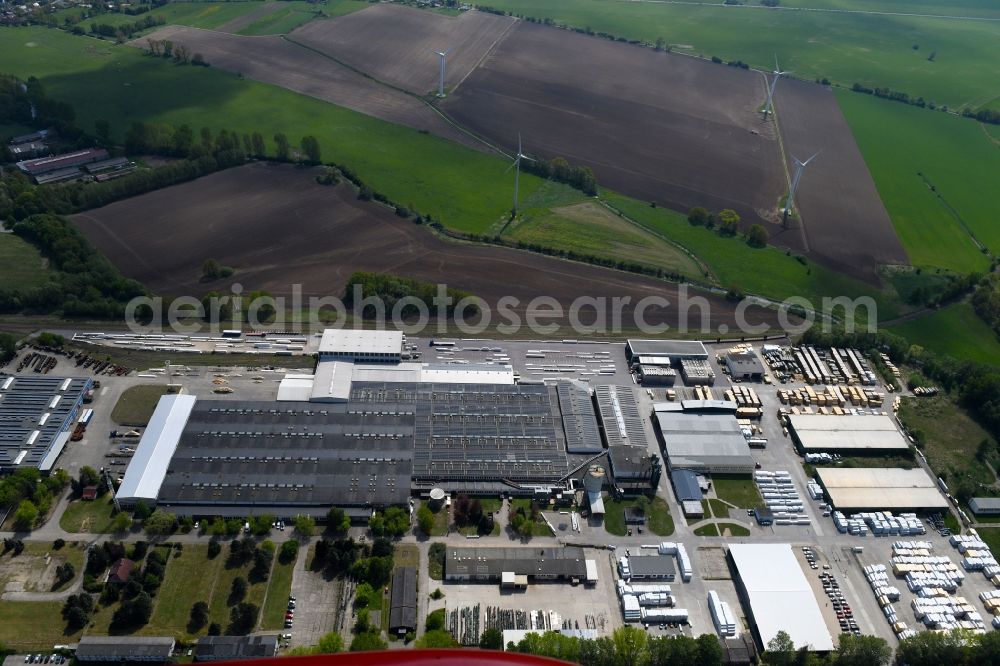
[812, 158]
[776, 68]
[525, 157]
[511, 166]
[518, 144]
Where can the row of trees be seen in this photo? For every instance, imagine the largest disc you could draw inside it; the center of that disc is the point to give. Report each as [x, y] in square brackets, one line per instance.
[727, 221]
[897, 96]
[390, 290]
[630, 646]
[986, 302]
[164, 48]
[122, 31]
[561, 171]
[347, 558]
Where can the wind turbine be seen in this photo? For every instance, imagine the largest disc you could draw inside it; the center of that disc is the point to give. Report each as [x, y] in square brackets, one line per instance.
[774, 84]
[800, 166]
[516, 165]
[444, 59]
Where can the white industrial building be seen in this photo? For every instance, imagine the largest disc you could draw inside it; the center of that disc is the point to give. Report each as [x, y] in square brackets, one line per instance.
[333, 379]
[712, 443]
[867, 433]
[676, 350]
[361, 345]
[777, 597]
[890, 489]
[148, 467]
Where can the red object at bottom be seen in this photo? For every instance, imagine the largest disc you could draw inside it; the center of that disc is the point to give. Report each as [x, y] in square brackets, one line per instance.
[435, 657]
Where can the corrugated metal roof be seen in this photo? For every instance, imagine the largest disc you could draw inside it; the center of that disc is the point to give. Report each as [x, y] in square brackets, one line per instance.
[686, 486]
[350, 341]
[148, 466]
[880, 488]
[674, 348]
[704, 441]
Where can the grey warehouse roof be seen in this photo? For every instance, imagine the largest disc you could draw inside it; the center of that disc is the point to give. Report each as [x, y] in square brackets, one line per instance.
[651, 565]
[35, 415]
[566, 562]
[579, 421]
[674, 348]
[704, 442]
[892, 489]
[143, 648]
[211, 648]
[349, 342]
[619, 412]
[824, 432]
[403, 604]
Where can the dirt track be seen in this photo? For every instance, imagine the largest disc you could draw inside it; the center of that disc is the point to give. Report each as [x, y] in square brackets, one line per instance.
[397, 44]
[277, 227]
[845, 223]
[659, 127]
[273, 60]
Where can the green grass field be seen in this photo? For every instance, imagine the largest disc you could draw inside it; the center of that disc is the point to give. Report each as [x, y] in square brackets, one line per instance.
[953, 155]
[590, 228]
[951, 437]
[739, 491]
[733, 530]
[876, 50]
[955, 330]
[34, 625]
[136, 405]
[23, 266]
[88, 517]
[415, 169]
[206, 15]
[276, 602]
[177, 594]
[294, 14]
[708, 530]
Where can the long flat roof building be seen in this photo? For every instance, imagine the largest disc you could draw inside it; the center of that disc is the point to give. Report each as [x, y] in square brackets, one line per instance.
[712, 443]
[488, 564]
[579, 421]
[675, 349]
[35, 417]
[148, 467]
[620, 419]
[891, 489]
[777, 597]
[224, 648]
[868, 433]
[65, 160]
[403, 600]
[155, 649]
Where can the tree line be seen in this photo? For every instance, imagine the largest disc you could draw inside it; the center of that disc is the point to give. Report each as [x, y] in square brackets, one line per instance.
[561, 171]
[986, 302]
[122, 31]
[391, 290]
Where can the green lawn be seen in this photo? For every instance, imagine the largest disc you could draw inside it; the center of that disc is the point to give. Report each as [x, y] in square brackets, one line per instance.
[768, 272]
[846, 48]
[991, 536]
[951, 437]
[441, 519]
[708, 530]
[955, 330]
[718, 508]
[21, 264]
[276, 601]
[34, 625]
[659, 520]
[460, 187]
[88, 517]
[954, 156]
[740, 491]
[219, 605]
[204, 14]
[136, 405]
[734, 530]
[190, 578]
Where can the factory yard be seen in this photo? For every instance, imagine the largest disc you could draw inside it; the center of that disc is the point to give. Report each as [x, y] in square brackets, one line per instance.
[274, 60]
[329, 234]
[834, 563]
[399, 45]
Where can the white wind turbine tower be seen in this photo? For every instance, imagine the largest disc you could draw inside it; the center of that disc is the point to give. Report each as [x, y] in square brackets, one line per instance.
[800, 166]
[443, 55]
[516, 165]
[774, 84]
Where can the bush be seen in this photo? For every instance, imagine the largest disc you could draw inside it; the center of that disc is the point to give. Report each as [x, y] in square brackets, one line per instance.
[289, 551]
[435, 620]
[214, 548]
